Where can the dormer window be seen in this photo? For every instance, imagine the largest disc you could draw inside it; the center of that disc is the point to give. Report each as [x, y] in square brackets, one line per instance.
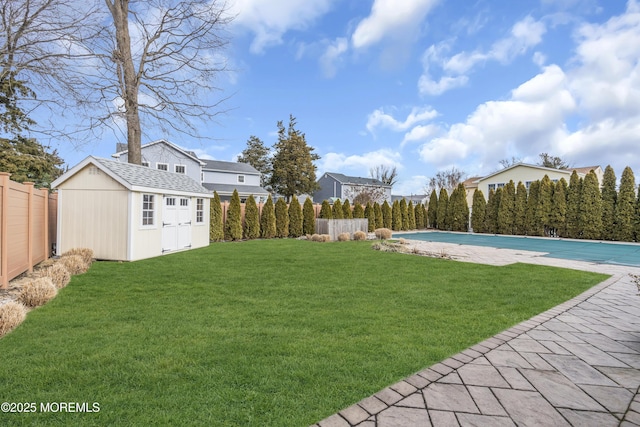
[241, 179]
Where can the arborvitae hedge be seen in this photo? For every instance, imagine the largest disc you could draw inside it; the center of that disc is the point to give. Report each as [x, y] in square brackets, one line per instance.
[520, 210]
[233, 226]
[358, 210]
[251, 219]
[637, 217]
[491, 212]
[441, 214]
[295, 217]
[369, 213]
[404, 214]
[533, 226]
[387, 215]
[337, 210]
[558, 219]
[432, 210]
[544, 208]
[624, 214]
[268, 220]
[419, 215]
[347, 213]
[216, 229]
[591, 207]
[377, 210]
[282, 219]
[411, 215]
[396, 216]
[609, 199]
[574, 195]
[458, 210]
[325, 210]
[506, 209]
[309, 217]
[478, 211]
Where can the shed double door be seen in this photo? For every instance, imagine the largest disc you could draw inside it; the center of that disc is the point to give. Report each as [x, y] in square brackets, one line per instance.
[176, 223]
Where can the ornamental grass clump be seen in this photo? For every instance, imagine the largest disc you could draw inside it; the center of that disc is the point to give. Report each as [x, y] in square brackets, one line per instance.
[58, 274]
[12, 314]
[344, 237]
[383, 233]
[85, 253]
[316, 238]
[359, 235]
[38, 292]
[326, 237]
[75, 264]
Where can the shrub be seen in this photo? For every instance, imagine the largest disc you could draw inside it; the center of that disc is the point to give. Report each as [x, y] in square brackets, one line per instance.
[295, 217]
[344, 237]
[337, 211]
[268, 220]
[383, 233]
[12, 313]
[233, 225]
[346, 210]
[282, 219]
[38, 291]
[58, 274]
[359, 235]
[74, 264]
[308, 217]
[251, 219]
[325, 210]
[216, 230]
[402, 241]
[85, 253]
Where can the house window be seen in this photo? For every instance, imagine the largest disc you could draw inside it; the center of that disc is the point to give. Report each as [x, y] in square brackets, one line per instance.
[200, 211]
[241, 179]
[184, 202]
[181, 169]
[501, 185]
[148, 209]
[528, 184]
[162, 166]
[492, 187]
[145, 164]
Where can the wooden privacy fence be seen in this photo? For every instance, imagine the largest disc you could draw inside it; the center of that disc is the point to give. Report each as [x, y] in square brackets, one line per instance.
[27, 227]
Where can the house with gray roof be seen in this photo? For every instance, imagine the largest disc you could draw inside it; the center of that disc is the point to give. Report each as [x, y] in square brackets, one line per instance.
[127, 212]
[338, 186]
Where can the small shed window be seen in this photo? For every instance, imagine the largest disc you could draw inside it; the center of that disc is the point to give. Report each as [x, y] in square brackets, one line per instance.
[148, 209]
[181, 169]
[162, 166]
[171, 201]
[184, 202]
[200, 211]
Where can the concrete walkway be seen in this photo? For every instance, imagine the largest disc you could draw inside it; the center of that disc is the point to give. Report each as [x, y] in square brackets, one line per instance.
[577, 364]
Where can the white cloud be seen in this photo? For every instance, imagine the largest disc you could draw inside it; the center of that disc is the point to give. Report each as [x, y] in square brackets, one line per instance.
[269, 21]
[358, 164]
[390, 18]
[380, 119]
[420, 133]
[332, 55]
[428, 86]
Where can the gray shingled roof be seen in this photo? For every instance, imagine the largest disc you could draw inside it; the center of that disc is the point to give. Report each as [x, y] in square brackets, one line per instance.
[219, 165]
[142, 176]
[344, 179]
[242, 189]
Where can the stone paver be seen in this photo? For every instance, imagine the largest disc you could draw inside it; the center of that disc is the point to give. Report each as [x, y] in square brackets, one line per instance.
[577, 364]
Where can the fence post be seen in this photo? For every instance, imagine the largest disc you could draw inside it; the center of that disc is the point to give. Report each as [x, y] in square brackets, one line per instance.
[29, 186]
[45, 218]
[4, 225]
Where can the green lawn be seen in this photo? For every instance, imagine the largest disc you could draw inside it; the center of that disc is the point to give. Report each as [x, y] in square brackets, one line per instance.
[262, 333]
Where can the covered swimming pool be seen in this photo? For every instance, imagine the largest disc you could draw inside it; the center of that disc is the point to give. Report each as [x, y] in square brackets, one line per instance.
[578, 250]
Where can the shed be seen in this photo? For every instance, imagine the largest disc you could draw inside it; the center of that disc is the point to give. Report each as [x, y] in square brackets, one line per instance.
[128, 212]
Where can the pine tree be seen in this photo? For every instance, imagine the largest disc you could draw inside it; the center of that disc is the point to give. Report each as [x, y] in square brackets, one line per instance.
[369, 213]
[574, 196]
[625, 208]
[251, 219]
[411, 215]
[27, 160]
[282, 219]
[443, 206]
[558, 218]
[346, 210]
[387, 215]
[591, 208]
[216, 228]
[609, 200]
[543, 209]
[233, 226]
[532, 225]
[295, 217]
[432, 211]
[325, 210]
[520, 210]
[396, 216]
[358, 211]
[268, 220]
[506, 210]
[478, 211]
[337, 211]
[309, 217]
[491, 213]
[257, 155]
[377, 210]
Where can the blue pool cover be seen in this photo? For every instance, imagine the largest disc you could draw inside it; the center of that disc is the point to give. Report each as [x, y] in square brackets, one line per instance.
[578, 250]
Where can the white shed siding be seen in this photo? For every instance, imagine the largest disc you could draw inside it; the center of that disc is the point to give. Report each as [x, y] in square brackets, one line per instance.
[146, 241]
[200, 231]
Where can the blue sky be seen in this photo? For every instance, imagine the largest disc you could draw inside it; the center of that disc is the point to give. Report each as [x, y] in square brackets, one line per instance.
[426, 85]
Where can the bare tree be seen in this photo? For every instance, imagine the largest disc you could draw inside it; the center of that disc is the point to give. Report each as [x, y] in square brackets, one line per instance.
[506, 163]
[553, 162]
[365, 194]
[387, 174]
[448, 179]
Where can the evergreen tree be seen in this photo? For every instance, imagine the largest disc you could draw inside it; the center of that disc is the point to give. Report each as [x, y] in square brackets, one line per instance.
[532, 224]
[216, 227]
[419, 215]
[506, 210]
[411, 215]
[358, 211]
[591, 208]
[574, 196]
[520, 210]
[432, 211]
[293, 169]
[441, 212]
[636, 221]
[268, 220]
[404, 214]
[543, 209]
[387, 215]
[233, 226]
[325, 210]
[26, 160]
[558, 218]
[396, 216]
[377, 210]
[625, 207]
[337, 211]
[458, 210]
[609, 200]
[491, 213]
[309, 217]
[257, 155]
[295, 217]
[370, 214]
[478, 211]
[251, 219]
[282, 219]
[346, 210]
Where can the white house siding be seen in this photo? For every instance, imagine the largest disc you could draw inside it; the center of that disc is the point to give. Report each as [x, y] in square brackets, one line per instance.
[230, 178]
[522, 174]
[163, 153]
[92, 210]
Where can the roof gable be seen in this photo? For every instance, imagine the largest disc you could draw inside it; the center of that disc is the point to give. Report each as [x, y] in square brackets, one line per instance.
[524, 165]
[190, 154]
